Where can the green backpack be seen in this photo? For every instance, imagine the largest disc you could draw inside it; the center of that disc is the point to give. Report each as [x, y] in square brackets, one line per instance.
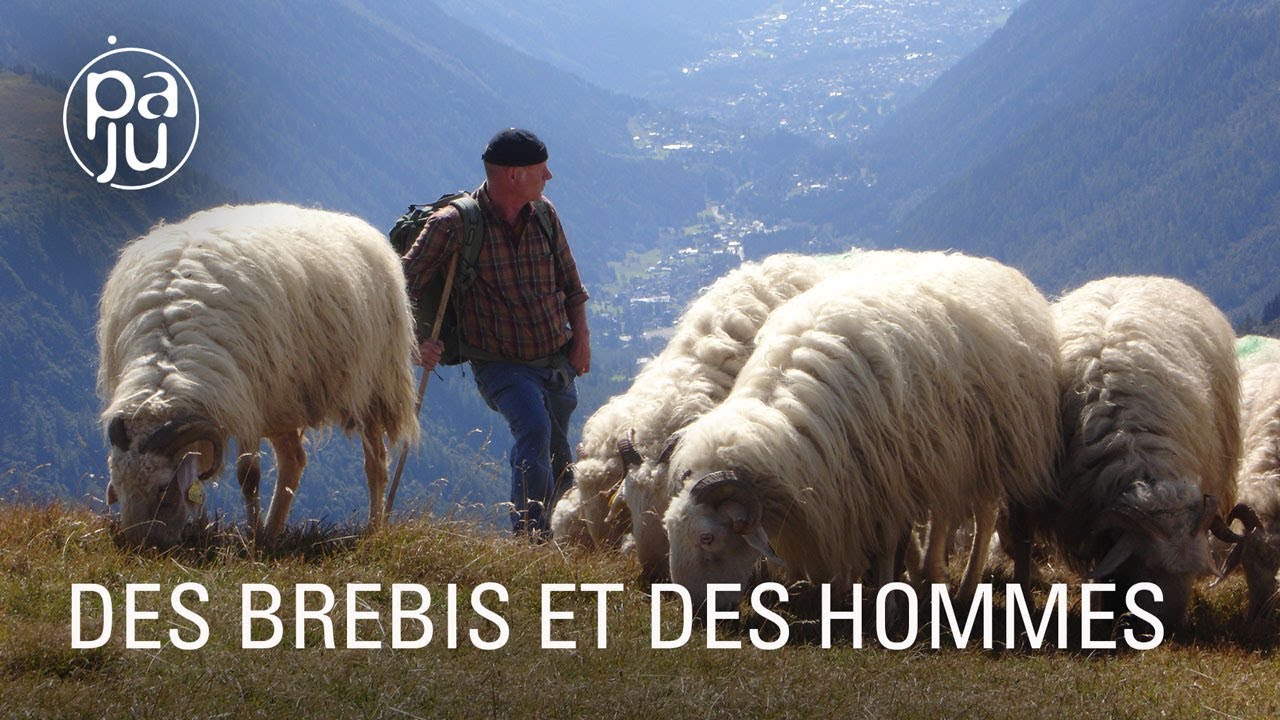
[406, 231]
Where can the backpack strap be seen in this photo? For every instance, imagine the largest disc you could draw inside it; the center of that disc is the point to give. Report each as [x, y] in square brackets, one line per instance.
[472, 236]
[543, 213]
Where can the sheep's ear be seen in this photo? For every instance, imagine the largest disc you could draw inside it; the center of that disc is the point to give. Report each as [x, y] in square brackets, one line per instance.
[118, 433]
[1230, 564]
[111, 493]
[1119, 553]
[759, 541]
[617, 502]
[186, 481]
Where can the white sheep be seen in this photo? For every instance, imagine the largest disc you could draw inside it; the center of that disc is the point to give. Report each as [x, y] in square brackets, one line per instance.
[693, 373]
[1258, 479]
[873, 402]
[250, 322]
[1150, 434]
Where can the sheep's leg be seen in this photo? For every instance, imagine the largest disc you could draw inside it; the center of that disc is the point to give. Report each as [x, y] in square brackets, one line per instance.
[911, 556]
[249, 475]
[935, 570]
[375, 472]
[290, 461]
[1018, 543]
[984, 526]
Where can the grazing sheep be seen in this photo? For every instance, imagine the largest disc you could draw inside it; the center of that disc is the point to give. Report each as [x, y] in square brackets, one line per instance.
[248, 322]
[1258, 480]
[1150, 434]
[872, 402]
[689, 377]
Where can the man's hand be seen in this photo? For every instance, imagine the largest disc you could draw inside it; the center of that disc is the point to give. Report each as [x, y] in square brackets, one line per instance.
[429, 352]
[580, 354]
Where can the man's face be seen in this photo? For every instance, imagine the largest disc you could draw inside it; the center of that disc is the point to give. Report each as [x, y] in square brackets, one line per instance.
[529, 181]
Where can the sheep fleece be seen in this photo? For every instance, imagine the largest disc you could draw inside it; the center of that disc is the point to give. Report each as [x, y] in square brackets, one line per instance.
[880, 399]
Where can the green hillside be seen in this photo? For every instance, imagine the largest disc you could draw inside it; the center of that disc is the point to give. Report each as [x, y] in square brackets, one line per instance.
[1220, 666]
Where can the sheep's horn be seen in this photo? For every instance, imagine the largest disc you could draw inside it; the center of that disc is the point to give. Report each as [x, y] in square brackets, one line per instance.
[118, 433]
[627, 449]
[1246, 515]
[669, 448]
[178, 433]
[1223, 532]
[1252, 523]
[719, 487]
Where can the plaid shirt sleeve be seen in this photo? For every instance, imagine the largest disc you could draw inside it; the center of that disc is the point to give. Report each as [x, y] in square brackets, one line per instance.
[429, 254]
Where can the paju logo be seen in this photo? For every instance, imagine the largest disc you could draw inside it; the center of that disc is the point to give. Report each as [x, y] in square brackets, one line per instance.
[151, 97]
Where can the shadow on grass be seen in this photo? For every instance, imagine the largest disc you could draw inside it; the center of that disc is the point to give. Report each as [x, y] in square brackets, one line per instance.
[219, 540]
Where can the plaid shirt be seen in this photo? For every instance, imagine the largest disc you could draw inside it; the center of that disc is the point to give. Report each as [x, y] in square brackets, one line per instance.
[517, 308]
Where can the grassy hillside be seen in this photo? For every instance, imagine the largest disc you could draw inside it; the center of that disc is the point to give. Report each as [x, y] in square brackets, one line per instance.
[1217, 668]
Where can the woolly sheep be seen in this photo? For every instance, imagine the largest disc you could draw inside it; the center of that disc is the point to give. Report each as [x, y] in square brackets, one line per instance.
[1150, 434]
[1258, 479]
[248, 322]
[691, 375]
[872, 402]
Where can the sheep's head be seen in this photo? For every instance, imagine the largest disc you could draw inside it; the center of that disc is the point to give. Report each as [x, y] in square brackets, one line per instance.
[598, 474]
[1157, 533]
[156, 475]
[647, 494]
[716, 535]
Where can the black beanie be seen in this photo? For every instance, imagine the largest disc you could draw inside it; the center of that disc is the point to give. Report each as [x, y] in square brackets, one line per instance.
[514, 147]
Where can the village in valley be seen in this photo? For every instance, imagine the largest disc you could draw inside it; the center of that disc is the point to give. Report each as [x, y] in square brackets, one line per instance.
[825, 72]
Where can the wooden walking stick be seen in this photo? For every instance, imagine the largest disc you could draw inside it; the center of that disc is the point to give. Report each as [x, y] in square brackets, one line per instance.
[422, 382]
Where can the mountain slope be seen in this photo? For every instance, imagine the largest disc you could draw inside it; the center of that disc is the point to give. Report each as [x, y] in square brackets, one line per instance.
[364, 107]
[58, 233]
[354, 106]
[1171, 167]
[614, 45]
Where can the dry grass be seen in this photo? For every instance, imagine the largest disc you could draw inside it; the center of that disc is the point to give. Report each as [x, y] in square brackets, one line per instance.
[1217, 667]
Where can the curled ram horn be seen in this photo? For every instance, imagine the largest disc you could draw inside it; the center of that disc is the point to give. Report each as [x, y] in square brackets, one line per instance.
[1252, 523]
[725, 485]
[1247, 517]
[627, 450]
[1210, 520]
[669, 448]
[178, 433]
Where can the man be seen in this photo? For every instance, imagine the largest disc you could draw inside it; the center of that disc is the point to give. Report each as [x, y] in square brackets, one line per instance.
[522, 323]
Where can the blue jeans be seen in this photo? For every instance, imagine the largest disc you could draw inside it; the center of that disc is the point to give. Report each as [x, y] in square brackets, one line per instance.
[536, 403]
